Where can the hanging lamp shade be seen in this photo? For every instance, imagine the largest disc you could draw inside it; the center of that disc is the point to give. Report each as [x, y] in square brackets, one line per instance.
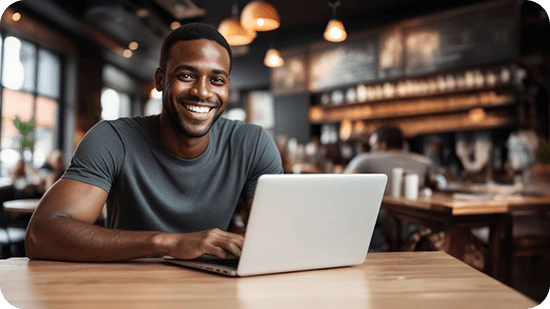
[335, 31]
[260, 16]
[234, 33]
[273, 58]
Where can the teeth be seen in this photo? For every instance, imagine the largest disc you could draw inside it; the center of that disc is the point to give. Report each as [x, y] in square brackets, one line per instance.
[198, 109]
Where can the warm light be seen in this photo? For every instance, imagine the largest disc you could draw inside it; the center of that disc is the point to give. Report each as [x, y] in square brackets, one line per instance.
[273, 58]
[155, 94]
[346, 128]
[260, 16]
[133, 45]
[335, 31]
[175, 25]
[477, 114]
[234, 33]
[142, 13]
[127, 53]
[16, 16]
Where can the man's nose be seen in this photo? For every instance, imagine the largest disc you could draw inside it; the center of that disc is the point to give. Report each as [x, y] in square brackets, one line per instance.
[201, 89]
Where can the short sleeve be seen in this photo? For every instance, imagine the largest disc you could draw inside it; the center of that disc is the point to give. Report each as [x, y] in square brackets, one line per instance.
[98, 158]
[267, 160]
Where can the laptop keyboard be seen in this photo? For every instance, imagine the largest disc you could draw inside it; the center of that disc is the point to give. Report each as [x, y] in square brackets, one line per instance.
[230, 262]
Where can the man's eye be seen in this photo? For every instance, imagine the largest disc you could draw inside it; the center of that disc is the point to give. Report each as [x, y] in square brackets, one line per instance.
[217, 80]
[185, 76]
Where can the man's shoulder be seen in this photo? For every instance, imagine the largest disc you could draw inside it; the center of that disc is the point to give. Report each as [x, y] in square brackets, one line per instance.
[419, 158]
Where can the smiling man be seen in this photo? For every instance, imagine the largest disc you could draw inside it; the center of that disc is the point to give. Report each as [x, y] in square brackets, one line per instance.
[172, 181]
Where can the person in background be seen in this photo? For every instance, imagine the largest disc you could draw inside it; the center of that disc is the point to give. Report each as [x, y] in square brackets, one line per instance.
[172, 181]
[52, 170]
[387, 151]
[28, 182]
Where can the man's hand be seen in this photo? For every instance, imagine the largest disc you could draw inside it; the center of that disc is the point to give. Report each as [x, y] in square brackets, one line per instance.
[213, 241]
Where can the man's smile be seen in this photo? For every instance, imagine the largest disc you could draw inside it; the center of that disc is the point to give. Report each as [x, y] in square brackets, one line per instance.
[199, 111]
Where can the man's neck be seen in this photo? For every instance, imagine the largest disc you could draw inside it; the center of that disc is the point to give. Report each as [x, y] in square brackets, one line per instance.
[179, 144]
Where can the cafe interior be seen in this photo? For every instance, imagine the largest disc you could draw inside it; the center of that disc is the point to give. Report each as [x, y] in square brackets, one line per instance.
[466, 81]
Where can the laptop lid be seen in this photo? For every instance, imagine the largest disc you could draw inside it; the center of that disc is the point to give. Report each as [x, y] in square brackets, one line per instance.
[310, 221]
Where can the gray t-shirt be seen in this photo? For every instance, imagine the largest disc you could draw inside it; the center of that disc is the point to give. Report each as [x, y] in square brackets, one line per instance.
[151, 189]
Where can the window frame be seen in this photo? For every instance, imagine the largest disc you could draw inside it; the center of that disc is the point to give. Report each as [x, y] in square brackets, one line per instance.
[60, 110]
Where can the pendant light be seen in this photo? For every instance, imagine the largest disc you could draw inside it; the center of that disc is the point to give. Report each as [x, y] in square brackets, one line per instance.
[232, 30]
[335, 31]
[273, 58]
[260, 16]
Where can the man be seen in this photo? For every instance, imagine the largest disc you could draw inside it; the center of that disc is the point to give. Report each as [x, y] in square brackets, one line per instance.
[387, 152]
[171, 181]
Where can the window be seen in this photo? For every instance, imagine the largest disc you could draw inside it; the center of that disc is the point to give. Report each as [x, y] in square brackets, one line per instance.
[154, 104]
[30, 86]
[114, 104]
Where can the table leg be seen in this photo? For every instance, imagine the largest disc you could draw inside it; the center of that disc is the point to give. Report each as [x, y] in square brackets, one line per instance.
[508, 250]
[493, 263]
[396, 232]
[453, 246]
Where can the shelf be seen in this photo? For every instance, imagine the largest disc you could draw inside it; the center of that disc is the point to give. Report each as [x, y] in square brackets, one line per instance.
[385, 109]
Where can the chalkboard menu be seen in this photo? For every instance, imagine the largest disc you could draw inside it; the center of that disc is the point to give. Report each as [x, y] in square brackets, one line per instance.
[291, 77]
[343, 63]
[391, 50]
[470, 38]
[460, 38]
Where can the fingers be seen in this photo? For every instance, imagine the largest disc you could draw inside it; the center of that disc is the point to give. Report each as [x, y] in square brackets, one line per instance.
[214, 241]
[221, 243]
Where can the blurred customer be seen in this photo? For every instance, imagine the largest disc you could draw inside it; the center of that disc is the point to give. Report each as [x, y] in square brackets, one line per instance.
[51, 170]
[30, 183]
[387, 151]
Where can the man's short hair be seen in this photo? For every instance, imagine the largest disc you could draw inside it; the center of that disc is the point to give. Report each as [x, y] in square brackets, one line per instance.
[391, 135]
[192, 31]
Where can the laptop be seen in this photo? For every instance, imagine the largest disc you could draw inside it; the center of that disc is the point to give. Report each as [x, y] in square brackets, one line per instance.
[303, 222]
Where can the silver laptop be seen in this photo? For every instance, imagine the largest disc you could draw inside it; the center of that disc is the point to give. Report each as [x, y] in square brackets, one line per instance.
[301, 222]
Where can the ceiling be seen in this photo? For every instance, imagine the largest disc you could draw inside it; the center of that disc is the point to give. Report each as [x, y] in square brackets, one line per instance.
[113, 24]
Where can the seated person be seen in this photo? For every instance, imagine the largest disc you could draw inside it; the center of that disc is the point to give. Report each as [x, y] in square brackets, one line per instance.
[387, 152]
[52, 170]
[23, 184]
[171, 181]
[29, 183]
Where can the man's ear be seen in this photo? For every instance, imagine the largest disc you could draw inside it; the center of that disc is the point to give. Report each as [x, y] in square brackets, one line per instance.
[159, 79]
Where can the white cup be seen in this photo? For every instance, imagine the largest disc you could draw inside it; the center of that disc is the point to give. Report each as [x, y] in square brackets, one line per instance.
[411, 186]
[396, 181]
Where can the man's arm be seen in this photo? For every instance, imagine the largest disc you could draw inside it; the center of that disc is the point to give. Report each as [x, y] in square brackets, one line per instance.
[62, 229]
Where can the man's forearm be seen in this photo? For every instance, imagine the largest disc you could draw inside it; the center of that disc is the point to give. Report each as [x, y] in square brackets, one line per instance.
[68, 239]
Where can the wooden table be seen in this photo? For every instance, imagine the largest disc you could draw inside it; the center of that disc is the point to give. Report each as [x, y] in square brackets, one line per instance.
[385, 280]
[21, 206]
[446, 213]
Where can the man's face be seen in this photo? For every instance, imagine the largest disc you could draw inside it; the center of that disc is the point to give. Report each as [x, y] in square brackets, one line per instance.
[195, 85]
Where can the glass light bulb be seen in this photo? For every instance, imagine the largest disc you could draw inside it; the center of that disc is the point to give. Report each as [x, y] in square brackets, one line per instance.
[335, 33]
